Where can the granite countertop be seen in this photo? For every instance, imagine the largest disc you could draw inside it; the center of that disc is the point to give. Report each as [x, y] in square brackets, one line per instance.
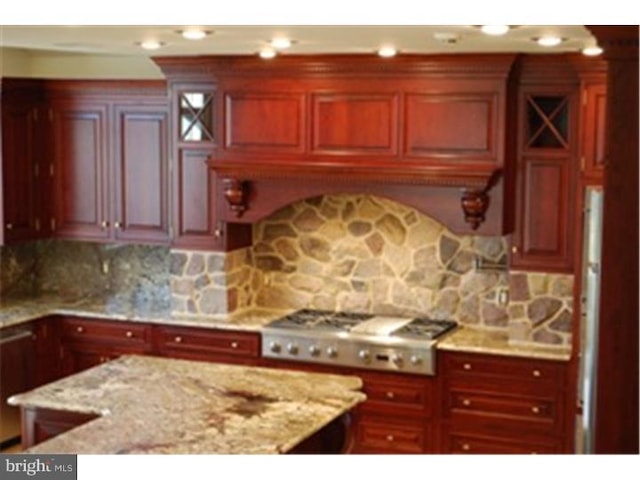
[463, 339]
[158, 405]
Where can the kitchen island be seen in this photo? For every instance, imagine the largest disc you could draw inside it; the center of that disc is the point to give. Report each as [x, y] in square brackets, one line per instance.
[143, 404]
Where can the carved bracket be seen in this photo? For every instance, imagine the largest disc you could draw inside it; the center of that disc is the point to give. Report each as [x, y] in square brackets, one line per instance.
[476, 202]
[236, 193]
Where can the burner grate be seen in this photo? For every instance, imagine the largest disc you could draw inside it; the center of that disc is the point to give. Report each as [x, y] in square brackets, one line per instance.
[321, 319]
[425, 328]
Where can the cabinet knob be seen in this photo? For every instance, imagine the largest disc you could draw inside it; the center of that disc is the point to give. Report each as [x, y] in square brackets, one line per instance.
[117, 225]
[104, 224]
[536, 373]
[9, 226]
[514, 249]
[129, 334]
[466, 366]
[80, 329]
[217, 233]
[466, 402]
[178, 339]
[466, 447]
[535, 409]
[234, 344]
[390, 438]
[391, 395]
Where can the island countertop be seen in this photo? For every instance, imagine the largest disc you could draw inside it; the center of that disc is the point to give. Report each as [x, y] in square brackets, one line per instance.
[159, 405]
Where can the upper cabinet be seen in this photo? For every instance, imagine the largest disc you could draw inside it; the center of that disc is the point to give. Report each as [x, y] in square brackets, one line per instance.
[110, 161]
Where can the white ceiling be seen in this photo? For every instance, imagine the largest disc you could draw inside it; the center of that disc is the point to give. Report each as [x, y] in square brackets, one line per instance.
[227, 39]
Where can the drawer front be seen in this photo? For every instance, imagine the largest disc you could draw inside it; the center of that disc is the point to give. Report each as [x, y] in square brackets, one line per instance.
[396, 396]
[525, 408]
[183, 340]
[461, 443]
[383, 437]
[504, 367]
[121, 333]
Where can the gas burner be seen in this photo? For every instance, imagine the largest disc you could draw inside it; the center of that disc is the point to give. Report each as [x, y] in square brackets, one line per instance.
[321, 320]
[425, 328]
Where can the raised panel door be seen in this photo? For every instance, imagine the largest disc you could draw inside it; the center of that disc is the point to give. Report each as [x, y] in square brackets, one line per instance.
[462, 127]
[141, 174]
[594, 130]
[355, 123]
[80, 148]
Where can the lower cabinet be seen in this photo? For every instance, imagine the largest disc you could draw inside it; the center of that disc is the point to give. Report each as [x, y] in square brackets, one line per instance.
[40, 424]
[381, 435]
[493, 404]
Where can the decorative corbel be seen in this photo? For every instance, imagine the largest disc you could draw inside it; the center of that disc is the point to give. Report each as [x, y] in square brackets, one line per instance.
[476, 202]
[236, 193]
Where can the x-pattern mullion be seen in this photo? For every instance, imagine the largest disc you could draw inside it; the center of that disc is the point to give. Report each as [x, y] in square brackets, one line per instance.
[197, 113]
[547, 121]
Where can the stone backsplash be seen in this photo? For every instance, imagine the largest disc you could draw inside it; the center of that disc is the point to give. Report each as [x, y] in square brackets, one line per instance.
[18, 270]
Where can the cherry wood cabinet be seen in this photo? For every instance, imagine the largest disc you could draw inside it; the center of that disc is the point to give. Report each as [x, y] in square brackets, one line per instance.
[594, 106]
[493, 404]
[40, 424]
[207, 344]
[111, 161]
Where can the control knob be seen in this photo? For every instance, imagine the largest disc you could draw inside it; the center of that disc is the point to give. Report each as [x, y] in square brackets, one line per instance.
[292, 348]
[275, 347]
[397, 359]
[314, 350]
[332, 352]
[415, 360]
[365, 356]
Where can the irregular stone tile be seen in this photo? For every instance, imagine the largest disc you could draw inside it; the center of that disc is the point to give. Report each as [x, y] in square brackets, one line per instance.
[519, 331]
[490, 247]
[315, 247]
[269, 263]
[358, 228]
[410, 218]
[537, 284]
[202, 281]
[425, 231]
[309, 266]
[369, 209]
[219, 279]
[329, 212]
[348, 211]
[379, 290]
[392, 229]
[563, 322]
[308, 220]
[519, 287]
[306, 283]
[446, 303]
[375, 242]
[215, 263]
[286, 249]
[494, 315]
[273, 231]
[232, 300]
[192, 307]
[177, 263]
[516, 311]
[213, 301]
[354, 302]
[468, 312]
[196, 264]
[562, 286]
[281, 297]
[542, 309]
[347, 249]
[450, 280]
[476, 283]
[359, 286]
[262, 248]
[448, 247]
[545, 336]
[182, 286]
[178, 305]
[462, 262]
[342, 269]
[333, 231]
[324, 302]
[425, 259]
[368, 268]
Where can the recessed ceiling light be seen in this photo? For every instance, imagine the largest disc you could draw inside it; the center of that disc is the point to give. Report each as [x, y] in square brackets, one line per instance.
[387, 51]
[495, 29]
[267, 53]
[549, 41]
[151, 44]
[592, 51]
[194, 34]
[280, 43]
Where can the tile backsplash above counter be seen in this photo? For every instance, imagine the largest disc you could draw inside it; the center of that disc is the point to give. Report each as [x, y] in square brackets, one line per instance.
[342, 252]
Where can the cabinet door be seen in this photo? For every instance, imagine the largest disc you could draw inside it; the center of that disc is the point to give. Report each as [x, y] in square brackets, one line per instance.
[18, 172]
[594, 113]
[80, 139]
[141, 188]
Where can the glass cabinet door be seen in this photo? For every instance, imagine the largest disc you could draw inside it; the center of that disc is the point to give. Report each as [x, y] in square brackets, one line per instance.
[195, 116]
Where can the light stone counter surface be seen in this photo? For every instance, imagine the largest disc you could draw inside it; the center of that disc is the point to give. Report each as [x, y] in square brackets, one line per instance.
[158, 405]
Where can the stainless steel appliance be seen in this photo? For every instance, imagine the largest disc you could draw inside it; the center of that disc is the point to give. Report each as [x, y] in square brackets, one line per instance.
[355, 340]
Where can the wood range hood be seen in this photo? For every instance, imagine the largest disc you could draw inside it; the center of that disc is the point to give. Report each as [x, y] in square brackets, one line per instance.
[426, 131]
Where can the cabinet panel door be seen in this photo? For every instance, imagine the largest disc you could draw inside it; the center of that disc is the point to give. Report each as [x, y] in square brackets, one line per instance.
[441, 126]
[544, 235]
[594, 129]
[80, 139]
[354, 123]
[17, 162]
[141, 173]
[194, 200]
[266, 122]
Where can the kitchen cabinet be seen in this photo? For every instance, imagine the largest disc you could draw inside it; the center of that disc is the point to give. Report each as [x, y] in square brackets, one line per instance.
[40, 424]
[47, 365]
[110, 150]
[89, 342]
[493, 404]
[23, 131]
[545, 191]
[210, 345]
[594, 106]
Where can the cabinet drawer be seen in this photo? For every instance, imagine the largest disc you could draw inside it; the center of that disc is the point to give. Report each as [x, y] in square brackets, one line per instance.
[395, 395]
[526, 408]
[503, 367]
[383, 437]
[471, 444]
[120, 333]
[200, 341]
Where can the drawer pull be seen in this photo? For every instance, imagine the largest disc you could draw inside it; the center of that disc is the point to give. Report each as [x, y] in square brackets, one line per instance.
[466, 447]
[390, 438]
[536, 373]
[466, 402]
[129, 334]
[80, 329]
[391, 395]
[535, 409]
[466, 366]
[178, 339]
[234, 344]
